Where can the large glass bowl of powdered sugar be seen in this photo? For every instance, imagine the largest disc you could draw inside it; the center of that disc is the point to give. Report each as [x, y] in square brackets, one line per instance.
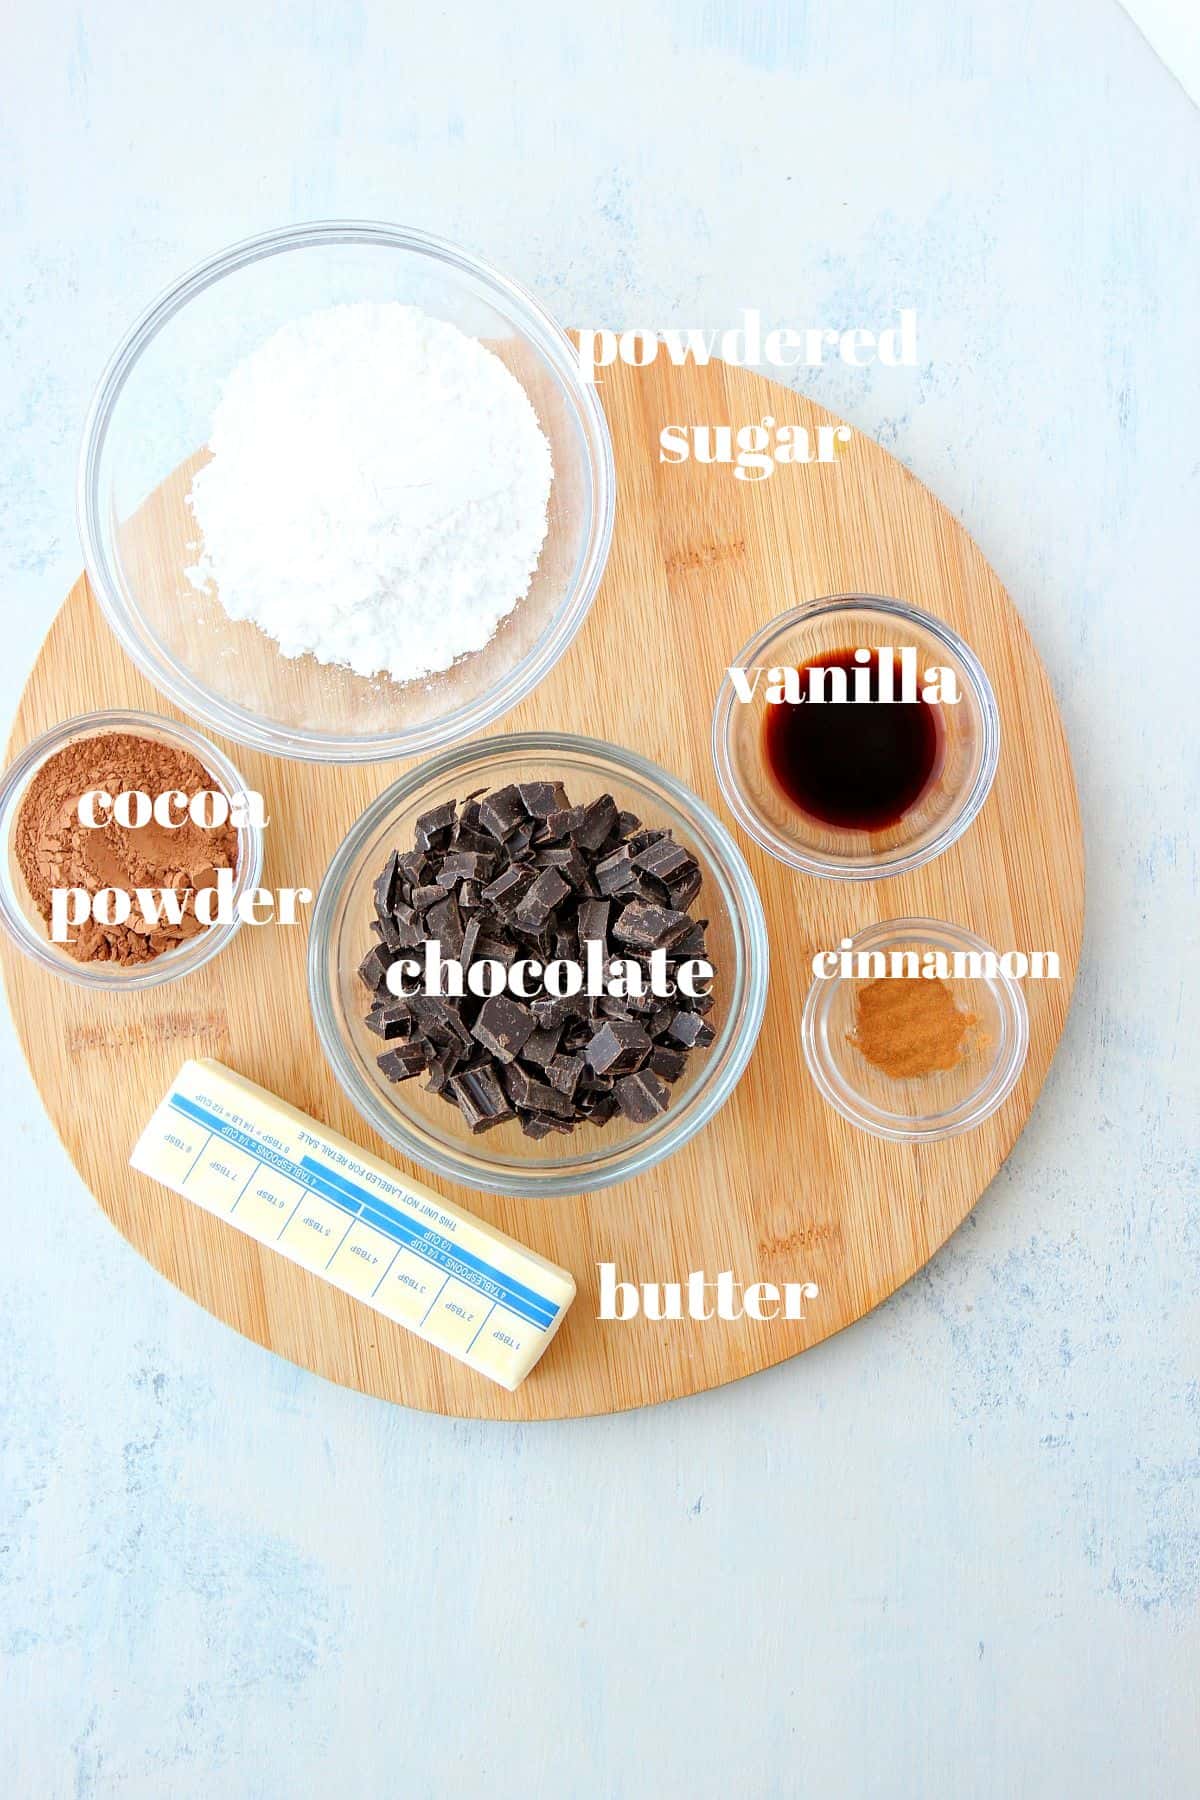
[343, 493]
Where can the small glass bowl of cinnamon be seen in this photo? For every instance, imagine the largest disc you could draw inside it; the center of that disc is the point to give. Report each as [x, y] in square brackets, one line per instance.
[22, 910]
[913, 1057]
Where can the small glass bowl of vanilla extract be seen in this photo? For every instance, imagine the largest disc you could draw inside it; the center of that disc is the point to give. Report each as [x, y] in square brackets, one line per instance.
[856, 737]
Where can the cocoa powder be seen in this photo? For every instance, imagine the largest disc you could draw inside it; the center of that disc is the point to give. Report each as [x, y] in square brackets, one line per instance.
[54, 850]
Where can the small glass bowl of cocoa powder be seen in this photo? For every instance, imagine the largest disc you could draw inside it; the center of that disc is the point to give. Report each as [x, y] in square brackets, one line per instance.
[909, 1056]
[45, 847]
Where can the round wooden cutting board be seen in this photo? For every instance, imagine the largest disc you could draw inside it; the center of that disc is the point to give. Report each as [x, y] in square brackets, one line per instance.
[778, 1187]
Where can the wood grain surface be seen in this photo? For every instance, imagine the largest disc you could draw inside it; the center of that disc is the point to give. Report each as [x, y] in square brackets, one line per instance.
[778, 1187]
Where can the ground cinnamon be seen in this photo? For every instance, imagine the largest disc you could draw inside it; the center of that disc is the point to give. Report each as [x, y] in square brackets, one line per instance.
[909, 1026]
[55, 851]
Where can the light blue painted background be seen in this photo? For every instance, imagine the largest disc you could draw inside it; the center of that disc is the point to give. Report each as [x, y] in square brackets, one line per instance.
[955, 1552]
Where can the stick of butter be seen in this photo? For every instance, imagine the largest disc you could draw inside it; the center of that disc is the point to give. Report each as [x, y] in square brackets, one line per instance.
[247, 1156]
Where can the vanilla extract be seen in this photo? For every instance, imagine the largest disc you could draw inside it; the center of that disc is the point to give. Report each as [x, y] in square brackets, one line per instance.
[860, 755]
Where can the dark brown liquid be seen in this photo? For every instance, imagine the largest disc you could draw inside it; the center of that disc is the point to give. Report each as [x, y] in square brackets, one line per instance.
[856, 767]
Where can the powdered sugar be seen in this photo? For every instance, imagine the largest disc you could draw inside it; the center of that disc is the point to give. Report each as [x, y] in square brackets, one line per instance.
[377, 490]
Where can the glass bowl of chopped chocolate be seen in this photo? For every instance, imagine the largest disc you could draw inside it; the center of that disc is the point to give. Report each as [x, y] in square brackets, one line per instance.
[538, 964]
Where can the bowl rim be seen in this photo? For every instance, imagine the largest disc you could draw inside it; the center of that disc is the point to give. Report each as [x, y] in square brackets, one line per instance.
[985, 1099]
[903, 860]
[171, 966]
[232, 720]
[751, 970]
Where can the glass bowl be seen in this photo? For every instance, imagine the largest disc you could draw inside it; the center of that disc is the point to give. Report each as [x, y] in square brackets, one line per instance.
[144, 440]
[21, 917]
[919, 1109]
[970, 747]
[421, 1124]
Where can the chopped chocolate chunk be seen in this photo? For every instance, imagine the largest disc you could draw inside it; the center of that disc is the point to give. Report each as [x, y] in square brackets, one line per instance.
[569, 863]
[504, 1026]
[387, 886]
[615, 872]
[490, 949]
[390, 1019]
[374, 967]
[413, 866]
[563, 1073]
[480, 1098]
[603, 1108]
[645, 887]
[650, 927]
[618, 1046]
[471, 931]
[433, 828]
[439, 1072]
[541, 1045]
[444, 923]
[686, 1027]
[508, 886]
[663, 858]
[388, 932]
[407, 925]
[525, 1091]
[598, 823]
[593, 921]
[666, 1062]
[685, 888]
[465, 865]
[425, 896]
[501, 813]
[557, 1010]
[692, 942]
[541, 798]
[402, 1063]
[641, 1097]
[561, 824]
[442, 1019]
[541, 900]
